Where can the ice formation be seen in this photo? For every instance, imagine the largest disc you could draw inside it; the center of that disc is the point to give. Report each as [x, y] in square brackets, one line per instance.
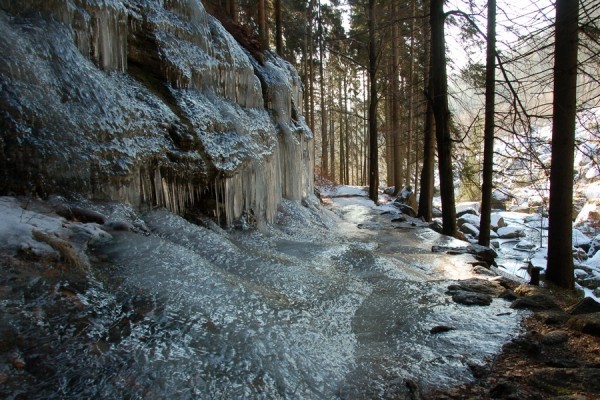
[149, 102]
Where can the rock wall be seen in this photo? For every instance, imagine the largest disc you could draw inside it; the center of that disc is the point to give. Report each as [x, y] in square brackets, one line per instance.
[150, 102]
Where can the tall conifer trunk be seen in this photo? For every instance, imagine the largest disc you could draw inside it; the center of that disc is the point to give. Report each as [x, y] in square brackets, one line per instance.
[560, 231]
[442, 116]
[488, 134]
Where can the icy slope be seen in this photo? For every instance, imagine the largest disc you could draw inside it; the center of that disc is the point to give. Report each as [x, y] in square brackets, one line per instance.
[149, 102]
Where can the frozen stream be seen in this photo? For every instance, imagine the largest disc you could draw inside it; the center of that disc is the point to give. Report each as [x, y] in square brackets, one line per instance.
[321, 305]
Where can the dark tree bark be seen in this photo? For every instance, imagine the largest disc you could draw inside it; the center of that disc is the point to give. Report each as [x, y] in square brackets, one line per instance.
[560, 231]
[262, 25]
[324, 133]
[373, 150]
[427, 173]
[488, 130]
[278, 29]
[442, 116]
[397, 132]
[233, 10]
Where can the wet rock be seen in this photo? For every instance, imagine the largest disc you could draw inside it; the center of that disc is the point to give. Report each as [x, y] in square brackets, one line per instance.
[82, 215]
[399, 219]
[504, 390]
[123, 226]
[508, 295]
[525, 345]
[555, 337]
[406, 209]
[477, 285]
[536, 302]
[483, 271]
[440, 329]
[561, 380]
[586, 306]
[478, 370]
[586, 323]
[471, 298]
[119, 331]
[467, 211]
[552, 317]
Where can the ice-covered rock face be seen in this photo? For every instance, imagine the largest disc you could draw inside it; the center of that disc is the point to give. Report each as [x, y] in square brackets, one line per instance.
[151, 102]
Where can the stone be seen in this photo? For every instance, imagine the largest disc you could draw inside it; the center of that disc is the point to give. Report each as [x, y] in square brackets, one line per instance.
[468, 219]
[555, 337]
[478, 269]
[587, 305]
[504, 390]
[477, 285]
[497, 221]
[510, 232]
[586, 323]
[552, 317]
[471, 298]
[399, 219]
[567, 379]
[440, 329]
[508, 295]
[469, 229]
[536, 302]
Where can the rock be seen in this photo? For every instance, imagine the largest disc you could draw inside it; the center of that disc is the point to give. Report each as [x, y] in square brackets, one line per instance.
[468, 219]
[469, 229]
[504, 390]
[510, 232]
[82, 215]
[536, 302]
[586, 323]
[587, 305]
[471, 298]
[561, 380]
[483, 271]
[525, 245]
[499, 200]
[436, 226]
[478, 370]
[440, 329]
[590, 283]
[508, 295]
[406, 209]
[399, 219]
[581, 240]
[120, 226]
[555, 337]
[495, 243]
[497, 221]
[467, 211]
[477, 285]
[552, 317]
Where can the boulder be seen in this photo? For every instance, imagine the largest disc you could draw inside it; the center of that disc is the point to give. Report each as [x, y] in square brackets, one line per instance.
[586, 323]
[586, 306]
[469, 229]
[510, 232]
[468, 219]
[499, 200]
[477, 285]
[536, 302]
[497, 221]
[471, 298]
[555, 337]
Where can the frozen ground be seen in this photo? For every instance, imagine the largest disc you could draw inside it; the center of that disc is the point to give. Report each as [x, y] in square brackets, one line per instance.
[327, 303]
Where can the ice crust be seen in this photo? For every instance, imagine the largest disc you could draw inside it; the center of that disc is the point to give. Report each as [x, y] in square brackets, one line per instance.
[149, 102]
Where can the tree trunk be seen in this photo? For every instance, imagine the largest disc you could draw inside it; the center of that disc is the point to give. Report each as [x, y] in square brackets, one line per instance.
[488, 131]
[278, 29]
[560, 231]
[396, 131]
[324, 135]
[347, 130]
[442, 116]
[373, 150]
[233, 10]
[262, 25]
[427, 172]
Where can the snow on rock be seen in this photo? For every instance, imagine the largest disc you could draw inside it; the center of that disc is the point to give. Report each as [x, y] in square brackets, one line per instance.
[497, 221]
[469, 229]
[509, 232]
[580, 239]
[589, 214]
[471, 219]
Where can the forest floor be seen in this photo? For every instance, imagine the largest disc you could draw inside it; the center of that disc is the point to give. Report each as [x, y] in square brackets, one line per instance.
[548, 361]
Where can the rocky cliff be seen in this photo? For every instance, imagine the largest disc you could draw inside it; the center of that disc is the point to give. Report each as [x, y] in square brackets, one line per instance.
[148, 102]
